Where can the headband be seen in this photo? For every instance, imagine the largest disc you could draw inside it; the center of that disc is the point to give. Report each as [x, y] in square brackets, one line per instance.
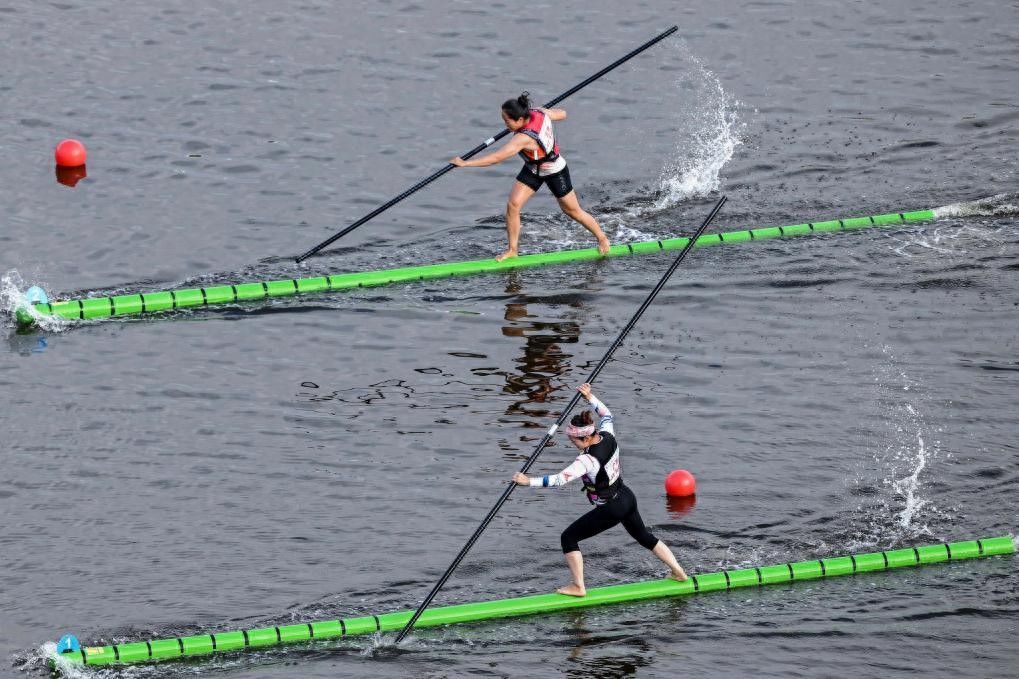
[576, 432]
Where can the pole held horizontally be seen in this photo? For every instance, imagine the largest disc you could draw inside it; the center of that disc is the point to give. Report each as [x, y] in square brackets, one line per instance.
[562, 418]
[480, 147]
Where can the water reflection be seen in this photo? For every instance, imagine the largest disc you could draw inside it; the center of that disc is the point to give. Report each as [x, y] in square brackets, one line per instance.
[543, 359]
[680, 506]
[25, 342]
[602, 653]
[69, 176]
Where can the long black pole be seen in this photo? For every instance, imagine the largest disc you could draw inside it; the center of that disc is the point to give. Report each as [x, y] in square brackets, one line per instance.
[480, 147]
[562, 418]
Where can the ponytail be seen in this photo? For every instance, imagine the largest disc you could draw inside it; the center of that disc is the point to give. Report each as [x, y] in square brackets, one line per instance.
[518, 108]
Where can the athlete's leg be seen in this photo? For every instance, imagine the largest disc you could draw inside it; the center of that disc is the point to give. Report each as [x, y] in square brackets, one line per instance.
[575, 561]
[666, 556]
[634, 525]
[595, 521]
[571, 208]
[519, 195]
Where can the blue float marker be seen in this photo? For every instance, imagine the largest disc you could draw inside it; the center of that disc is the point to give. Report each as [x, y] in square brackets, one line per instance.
[68, 644]
[36, 295]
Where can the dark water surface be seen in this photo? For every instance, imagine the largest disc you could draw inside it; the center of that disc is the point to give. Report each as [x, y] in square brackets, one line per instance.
[324, 457]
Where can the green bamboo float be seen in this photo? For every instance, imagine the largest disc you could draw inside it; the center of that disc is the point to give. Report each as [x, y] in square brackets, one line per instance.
[130, 305]
[222, 642]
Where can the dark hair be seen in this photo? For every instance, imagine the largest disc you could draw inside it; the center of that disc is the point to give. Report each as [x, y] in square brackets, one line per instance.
[518, 108]
[583, 419]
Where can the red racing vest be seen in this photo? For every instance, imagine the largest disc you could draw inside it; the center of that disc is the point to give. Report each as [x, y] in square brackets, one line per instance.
[539, 128]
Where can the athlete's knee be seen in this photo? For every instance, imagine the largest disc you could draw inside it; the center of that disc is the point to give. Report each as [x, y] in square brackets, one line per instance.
[574, 212]
[642, 535]
[569, 542]
[513, 207]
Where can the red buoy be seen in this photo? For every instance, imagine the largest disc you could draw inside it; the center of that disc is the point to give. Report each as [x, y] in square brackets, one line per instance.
[680, 483]
[70, 153]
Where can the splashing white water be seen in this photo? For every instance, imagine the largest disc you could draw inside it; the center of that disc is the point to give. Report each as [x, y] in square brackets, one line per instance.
[909, 486]
[909, 244]
[31, 661]
[899, 506]
[908, 457]
[12, 298]
[711, 131]
[1000, 205]
[953, 238]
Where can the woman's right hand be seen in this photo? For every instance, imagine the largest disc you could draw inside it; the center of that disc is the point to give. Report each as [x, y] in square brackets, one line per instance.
[521, 479]
[585, 390]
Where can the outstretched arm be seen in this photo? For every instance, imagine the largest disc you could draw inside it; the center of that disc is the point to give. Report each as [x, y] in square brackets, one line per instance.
[584, 464]
[514, 146]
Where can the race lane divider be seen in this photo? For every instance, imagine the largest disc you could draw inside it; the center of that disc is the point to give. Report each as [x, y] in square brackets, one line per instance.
[70, 651]
[150, 302]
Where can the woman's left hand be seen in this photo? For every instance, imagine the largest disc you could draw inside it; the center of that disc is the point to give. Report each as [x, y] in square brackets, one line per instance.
[521, 479]
[458, 161]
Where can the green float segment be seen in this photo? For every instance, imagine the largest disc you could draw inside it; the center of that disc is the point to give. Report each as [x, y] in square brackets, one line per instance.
[127, 305]
[205, 644]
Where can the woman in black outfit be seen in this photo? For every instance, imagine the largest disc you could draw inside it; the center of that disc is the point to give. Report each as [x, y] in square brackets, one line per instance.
[598, 466]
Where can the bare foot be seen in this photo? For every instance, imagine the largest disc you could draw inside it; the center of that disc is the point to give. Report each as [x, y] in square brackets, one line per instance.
[506, 255]
[573, 589]
[679, 575]
[603, 246]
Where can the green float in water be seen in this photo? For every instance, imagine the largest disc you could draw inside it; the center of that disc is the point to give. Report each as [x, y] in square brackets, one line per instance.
[221, 642]
[129, 305]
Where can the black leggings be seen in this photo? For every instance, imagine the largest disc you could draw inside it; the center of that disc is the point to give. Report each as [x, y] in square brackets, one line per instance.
[621, 509]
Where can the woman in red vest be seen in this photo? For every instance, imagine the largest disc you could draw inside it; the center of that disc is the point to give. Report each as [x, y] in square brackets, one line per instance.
[534, 140]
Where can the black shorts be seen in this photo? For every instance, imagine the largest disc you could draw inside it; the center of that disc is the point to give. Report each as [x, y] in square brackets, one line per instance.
[559, 183]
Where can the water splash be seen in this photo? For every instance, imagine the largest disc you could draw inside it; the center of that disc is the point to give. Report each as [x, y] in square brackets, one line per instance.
[32, 660]
[1000, 205]
[908, 487]
[897, 505]
[907, 457]
[12, 298]
[954, 238]
[949, 240]
[710, 132]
